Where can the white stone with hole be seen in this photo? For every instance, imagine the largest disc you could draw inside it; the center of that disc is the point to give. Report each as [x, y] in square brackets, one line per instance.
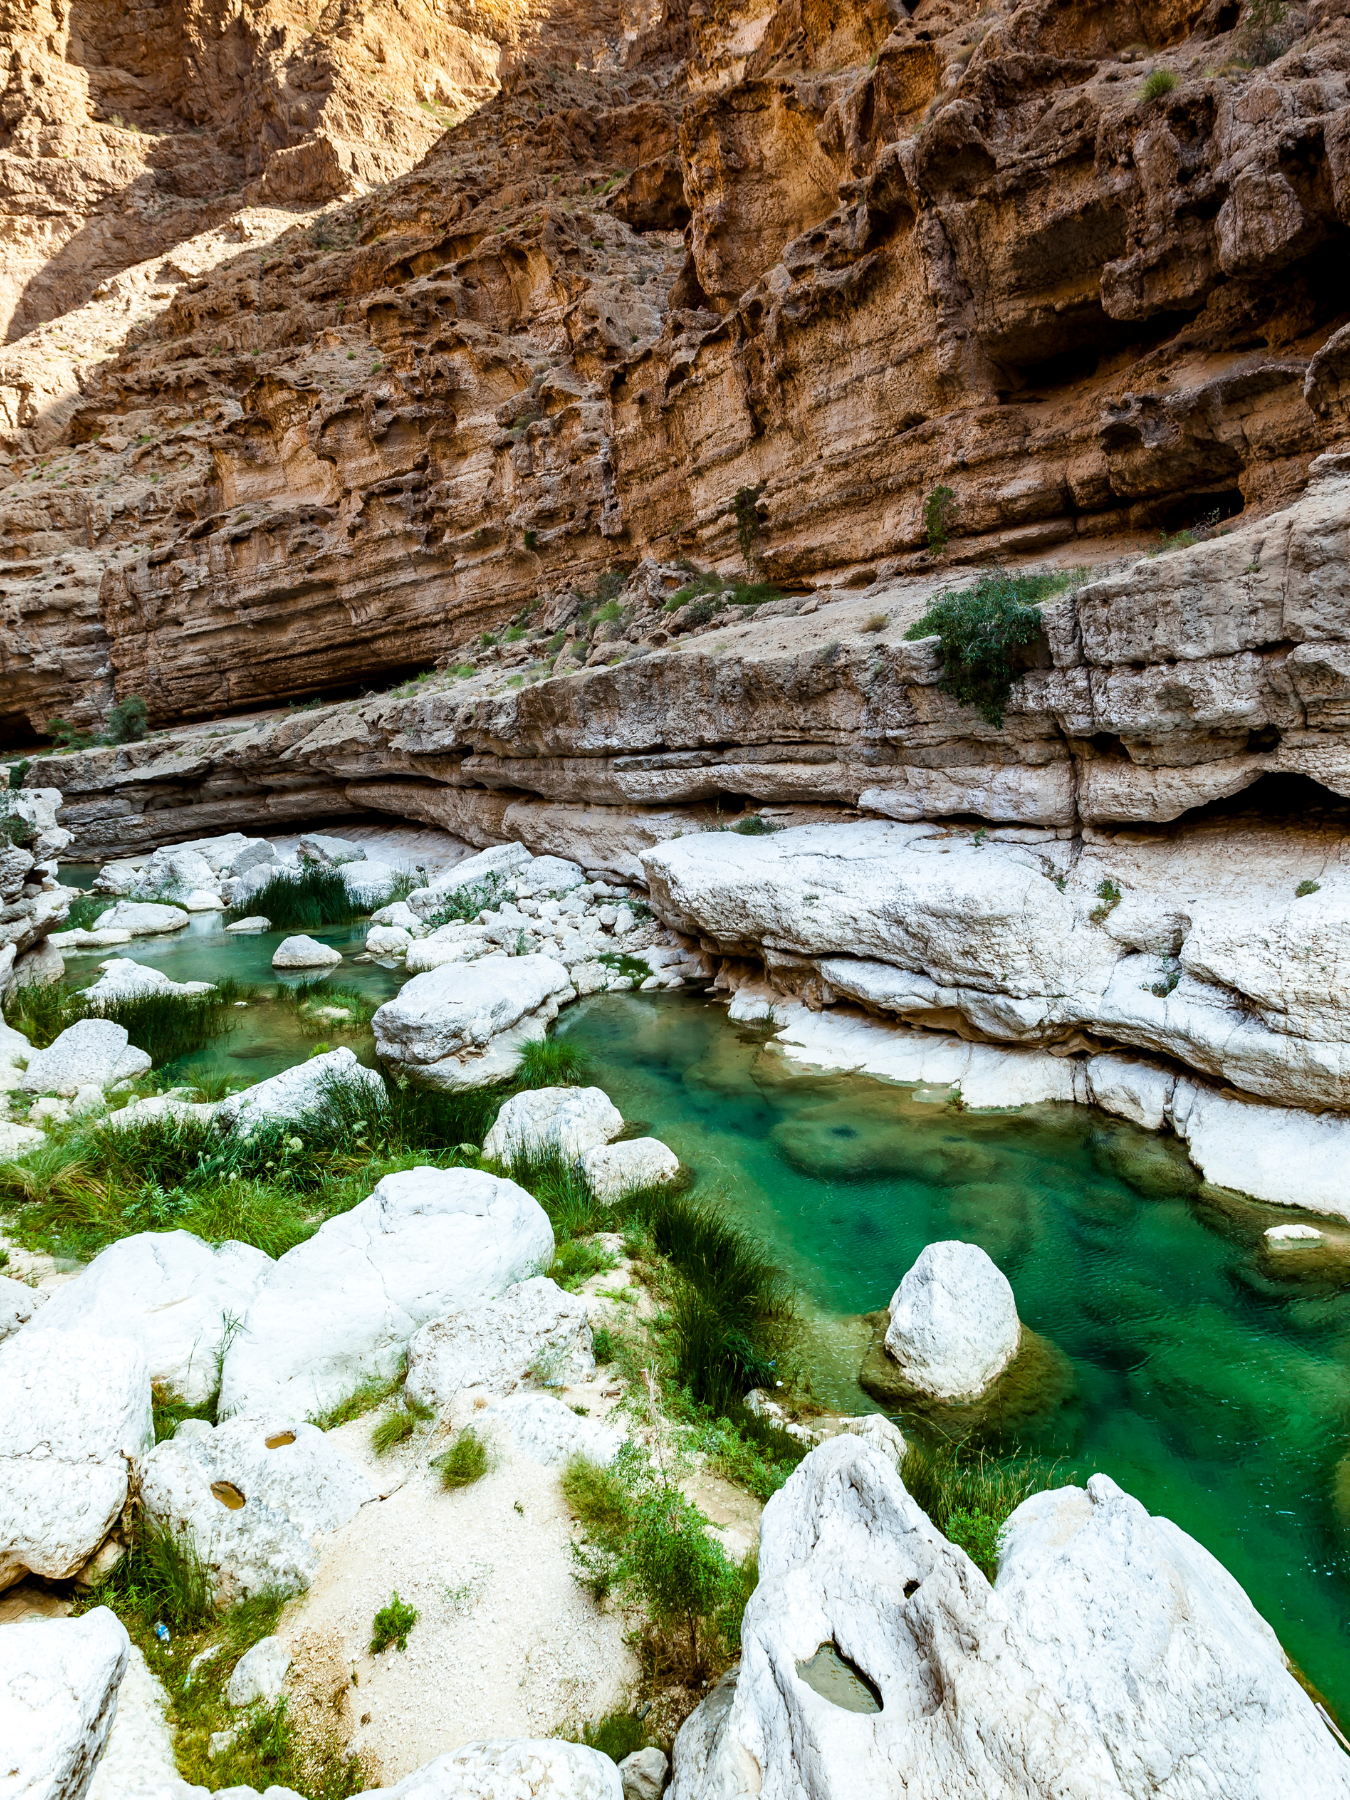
[614, 1170]
[91, 1052]
[253, 1494]
[170, 1293]
[59, 1680]
[534, 1328]
[342, 1306]
[74, 1414]
[954, 1325]
[302, 952]
[563, 1121]
[464, 1025]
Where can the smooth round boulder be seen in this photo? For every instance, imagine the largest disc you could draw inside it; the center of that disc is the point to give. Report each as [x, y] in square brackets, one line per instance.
[954, 1325]
[91, 1052]
[303, 952]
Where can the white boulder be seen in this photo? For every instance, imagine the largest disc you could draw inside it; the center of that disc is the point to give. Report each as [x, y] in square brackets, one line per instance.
[448, 944]
[1157, 1650]
[399, 913]
[849, 1563]
[141, 918]
[561, 1120]
[301, 952]
[18, 1140]
[18, 1304]
[59, 1680]
[252, 1494]
[548, 1431]
[260, 1674]
[369, 883]
[255, 922]
[342, 1306]
[533, 1328]
[464, 1025]
[550, 875]
[168, 1292]
[329, 852]
[387, 940]
[514, 1769]
[614, 1170]
[91, 1052]
[74, 1414]
[122, 979]
[954, 1325]
[172, 874]
[643, 1774]
[118, 878]
[138, 1761]
[298, 1090]
[489, 867]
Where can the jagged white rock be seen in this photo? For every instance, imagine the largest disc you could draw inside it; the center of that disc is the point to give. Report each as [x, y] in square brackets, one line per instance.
[342, 1306]
[91, 1052]
[462, 1026]
[614, 1170]
[329, 852]
[514, 1769]
[59, 1680]
[954, 1325]
[170, 1293]
[501, 861]
[302, 952]
[298, 1090]
[534, 1325]
[138, 1761]
[565, 1120]
[643, 1774]
[292, 1480]
[172, 874]
[547, 1431]
[1160, 1653]
[74, 1412]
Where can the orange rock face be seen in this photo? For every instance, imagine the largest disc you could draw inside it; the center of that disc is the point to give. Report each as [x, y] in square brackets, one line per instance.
[745, 285]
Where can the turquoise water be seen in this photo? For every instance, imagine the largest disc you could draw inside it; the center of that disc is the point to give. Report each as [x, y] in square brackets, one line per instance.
[1212, 1387]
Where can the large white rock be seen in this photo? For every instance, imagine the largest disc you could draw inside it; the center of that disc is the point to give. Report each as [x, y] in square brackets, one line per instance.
[138, 1762]
[260, 1674]
[122, 979]
[548, 1431]
[18, 1140]
[74, 1412]
[463, 1025]
[954, 1325]
[58, 1695]
[514, 1769]
[501, 861]
[343, 1305]
[18, 1304]
[369, 883]
[614, 1170]
[533, 1328]
[89, 1053]
[387, 940]
[847, 1558]
[564, 1120]
[168, 1292]
[172, 874]
[299, 1089]
[141, 918]
[1160, 1653]
[330, 852]
[252, 1494]
[301, 952]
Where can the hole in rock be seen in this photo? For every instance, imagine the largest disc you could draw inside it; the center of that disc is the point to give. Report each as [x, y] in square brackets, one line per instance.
[1202, 509]
[227, 1494]
[279, 1438]
[911, 1588]
[836, 1679]
[1283, 799]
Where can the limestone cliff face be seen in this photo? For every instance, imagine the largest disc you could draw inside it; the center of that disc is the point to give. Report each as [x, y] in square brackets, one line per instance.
[840, 254]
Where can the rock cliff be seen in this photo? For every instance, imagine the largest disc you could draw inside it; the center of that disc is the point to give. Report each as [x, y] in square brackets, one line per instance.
[1081, 266]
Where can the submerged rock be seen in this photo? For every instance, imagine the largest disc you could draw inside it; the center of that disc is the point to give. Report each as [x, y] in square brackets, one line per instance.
[74, 1414]
[533, 1328]
[59, 1681]
[563, 1120]
[341, 1307]
[954, 1325]
[303, 952]
[252, 1494]
[464, 1025]
[91, 1052]
[168, 1292]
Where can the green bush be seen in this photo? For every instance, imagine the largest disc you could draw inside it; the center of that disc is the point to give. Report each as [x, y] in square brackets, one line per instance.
[970, 1498]
[980, 627]
[598, 1497]
[1109, 897]
[602, 1340]
[127, 722]
[617, 1735]
[724, 590]
[315, 898]
[464, 904]
[937, 512]
[85, 910]
[66, 736]
[392, 1625]
[14, 828]
[1305, 888]
[17, 771]
[676, 1572]
[1158, 83]
[552, 1062]
[466, 1461]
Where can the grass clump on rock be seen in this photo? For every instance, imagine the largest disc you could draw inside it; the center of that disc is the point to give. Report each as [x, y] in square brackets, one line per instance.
[980, 628]
[316, 897]
[552, 1062]
[398, 1425]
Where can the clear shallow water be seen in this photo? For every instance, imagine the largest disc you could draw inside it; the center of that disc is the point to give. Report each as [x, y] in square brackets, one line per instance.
[1212, 1388]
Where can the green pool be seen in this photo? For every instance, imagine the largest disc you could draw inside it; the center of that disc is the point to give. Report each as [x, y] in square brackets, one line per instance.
[1211, 1388]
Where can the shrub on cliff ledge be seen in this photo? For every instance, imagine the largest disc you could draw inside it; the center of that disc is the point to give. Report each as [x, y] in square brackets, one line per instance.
[980, 627]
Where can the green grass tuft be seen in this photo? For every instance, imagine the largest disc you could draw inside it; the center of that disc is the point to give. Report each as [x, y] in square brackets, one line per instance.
[970, 1497]
[398, 1426]
[392, 1625]
[315, 898]
[466, 1461]
[1158, 83]
[552, 1062]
